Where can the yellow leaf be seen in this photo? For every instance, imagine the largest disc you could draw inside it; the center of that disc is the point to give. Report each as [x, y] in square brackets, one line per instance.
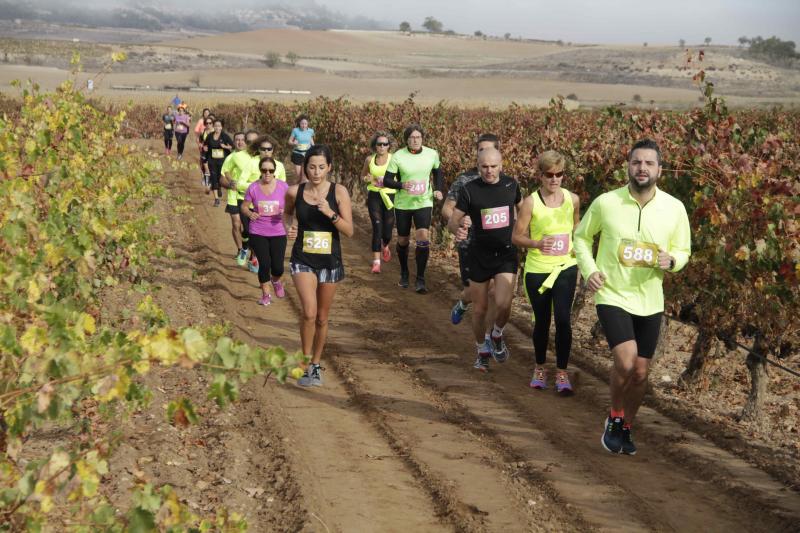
[33, 339]
[142, 367]
[296, 372]
[88, 324]
[117, 57]
[196, 346]
[34, 291]
[761, 245]
[743, 253]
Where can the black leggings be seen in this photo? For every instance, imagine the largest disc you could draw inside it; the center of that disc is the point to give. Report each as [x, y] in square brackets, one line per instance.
[382, 220]
[168, 139]
[215, 171]
[245, 226]
[181, 138]
[558, 301]
[270, 252]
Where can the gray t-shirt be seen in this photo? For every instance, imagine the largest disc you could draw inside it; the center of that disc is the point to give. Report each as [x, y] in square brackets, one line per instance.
[455, 189]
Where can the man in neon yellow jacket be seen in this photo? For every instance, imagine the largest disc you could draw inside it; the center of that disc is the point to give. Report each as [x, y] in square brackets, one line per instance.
[644, 232]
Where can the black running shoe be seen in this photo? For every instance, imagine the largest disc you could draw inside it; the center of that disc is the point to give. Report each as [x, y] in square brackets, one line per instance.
[612, 436]
[403, 280]
[628, 447]
[421, 288]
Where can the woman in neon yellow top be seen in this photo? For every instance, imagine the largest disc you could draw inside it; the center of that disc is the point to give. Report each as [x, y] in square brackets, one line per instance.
[545, 225]
[379, 198]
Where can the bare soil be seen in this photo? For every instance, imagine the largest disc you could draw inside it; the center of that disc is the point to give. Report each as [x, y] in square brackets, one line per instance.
[405, 435]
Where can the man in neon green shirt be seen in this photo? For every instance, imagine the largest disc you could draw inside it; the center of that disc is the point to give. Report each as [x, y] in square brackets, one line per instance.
[644, 232]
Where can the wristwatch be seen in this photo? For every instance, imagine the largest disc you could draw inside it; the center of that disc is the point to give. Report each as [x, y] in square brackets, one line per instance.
[334, 217]
[671, 263]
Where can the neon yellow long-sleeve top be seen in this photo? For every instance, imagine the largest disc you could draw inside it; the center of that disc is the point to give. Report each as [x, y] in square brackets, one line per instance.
[630, 236]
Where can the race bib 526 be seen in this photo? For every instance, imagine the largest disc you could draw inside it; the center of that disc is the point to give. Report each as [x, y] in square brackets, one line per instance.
[632, 253]
[495, 218]
[317, 242]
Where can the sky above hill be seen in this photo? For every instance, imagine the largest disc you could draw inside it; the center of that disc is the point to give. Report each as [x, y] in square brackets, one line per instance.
[596, 21]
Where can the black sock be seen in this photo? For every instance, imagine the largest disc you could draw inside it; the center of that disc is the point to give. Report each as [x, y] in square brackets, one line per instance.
[402, 256]
[421, 254]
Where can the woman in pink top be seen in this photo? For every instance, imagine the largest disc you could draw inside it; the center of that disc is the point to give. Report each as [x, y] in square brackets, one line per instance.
[263, 204]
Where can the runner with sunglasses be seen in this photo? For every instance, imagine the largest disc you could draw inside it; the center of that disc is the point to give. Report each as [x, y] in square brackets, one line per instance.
[208, 127]
[218, 146]
[238, 168]
[263, 205]
[181, 129]
[323, 211]
[545, 227]
[379, 199]
[409, 172]
[168, 119]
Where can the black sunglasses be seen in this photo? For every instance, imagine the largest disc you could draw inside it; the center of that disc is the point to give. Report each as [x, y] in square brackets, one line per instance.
[265, 148]
[268, 171]
[382, 144]
[554, 174]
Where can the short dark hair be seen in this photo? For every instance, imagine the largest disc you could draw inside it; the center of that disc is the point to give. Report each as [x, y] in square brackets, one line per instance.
[269, 159]
[252, 148]
[238, 133]
[206, 109]
[251, 132]
[221, 122]
[488, 138]
[378, 135]
[299, 119]
[317, 149]
[411, 128]
[647, 144]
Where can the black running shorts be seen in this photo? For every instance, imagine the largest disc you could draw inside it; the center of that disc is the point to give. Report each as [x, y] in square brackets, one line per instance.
[621, 326]
[421, 217]
[484, 266]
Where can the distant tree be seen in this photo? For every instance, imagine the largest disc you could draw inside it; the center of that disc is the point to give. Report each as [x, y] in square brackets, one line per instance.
[507, 36]
[773, 49]
[272, 58]
[637, 97]
[682, 43]
[432, 25]
[743, 40]
[645, 45]
[560, 42]
[707, 40]
[405, 26]
[195, 79]
[572, 96]
[292, 58]
[478, 33]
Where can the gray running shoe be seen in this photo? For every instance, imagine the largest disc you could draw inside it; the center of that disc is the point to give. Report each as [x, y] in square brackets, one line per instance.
[421, 288]
[312, 377]
[403, 280]
[482, 363]
[500, 350]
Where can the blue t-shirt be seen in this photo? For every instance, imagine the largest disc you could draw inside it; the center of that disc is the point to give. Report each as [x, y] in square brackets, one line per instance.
[303, 138]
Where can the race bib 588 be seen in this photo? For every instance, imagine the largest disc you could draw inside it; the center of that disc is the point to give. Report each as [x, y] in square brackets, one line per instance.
[317, 242]
[633, 253]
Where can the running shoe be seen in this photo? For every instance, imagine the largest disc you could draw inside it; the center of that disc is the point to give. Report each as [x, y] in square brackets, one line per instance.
[265, 300]
[457, 313]
[403, 280]
[539, 379]
[253, 266]
[563, 386]
[376, 267]
[628, 447]
[421, 288]
[216, 202]
[241, 258]
[180, 156]
[312, 377]
[482, 363]
[613, 438]
[386, 254]
[277, 286]
[500, 350]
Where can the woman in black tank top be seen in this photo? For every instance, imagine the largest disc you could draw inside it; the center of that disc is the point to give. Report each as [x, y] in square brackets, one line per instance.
[323, 211]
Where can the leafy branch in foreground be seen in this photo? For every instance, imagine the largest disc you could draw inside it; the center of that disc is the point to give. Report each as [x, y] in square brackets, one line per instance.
[74, 221]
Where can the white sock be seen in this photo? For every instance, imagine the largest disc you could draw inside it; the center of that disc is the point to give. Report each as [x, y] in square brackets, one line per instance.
[497, 331]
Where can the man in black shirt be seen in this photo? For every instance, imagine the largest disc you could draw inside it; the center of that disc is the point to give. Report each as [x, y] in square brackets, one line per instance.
[491, 202]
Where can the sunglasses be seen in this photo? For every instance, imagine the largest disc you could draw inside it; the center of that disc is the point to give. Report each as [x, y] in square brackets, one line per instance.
[209, 123]
[268, 171]
[381, 144]
[265, 148]
[554, 174]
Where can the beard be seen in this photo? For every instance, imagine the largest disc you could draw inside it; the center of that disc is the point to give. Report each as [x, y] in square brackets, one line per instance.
[641, 187]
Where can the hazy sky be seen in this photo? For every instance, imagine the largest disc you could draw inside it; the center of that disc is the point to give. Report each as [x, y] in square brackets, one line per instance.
[607, 21]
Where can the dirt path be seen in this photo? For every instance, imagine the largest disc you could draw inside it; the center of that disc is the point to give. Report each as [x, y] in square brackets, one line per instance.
[405, 436]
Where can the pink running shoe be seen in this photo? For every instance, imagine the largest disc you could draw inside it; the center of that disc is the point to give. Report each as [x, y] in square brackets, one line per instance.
[277, 286]
[563, 386]
[376, 267]
[265, 300]
[386, 254]
[539, 379]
